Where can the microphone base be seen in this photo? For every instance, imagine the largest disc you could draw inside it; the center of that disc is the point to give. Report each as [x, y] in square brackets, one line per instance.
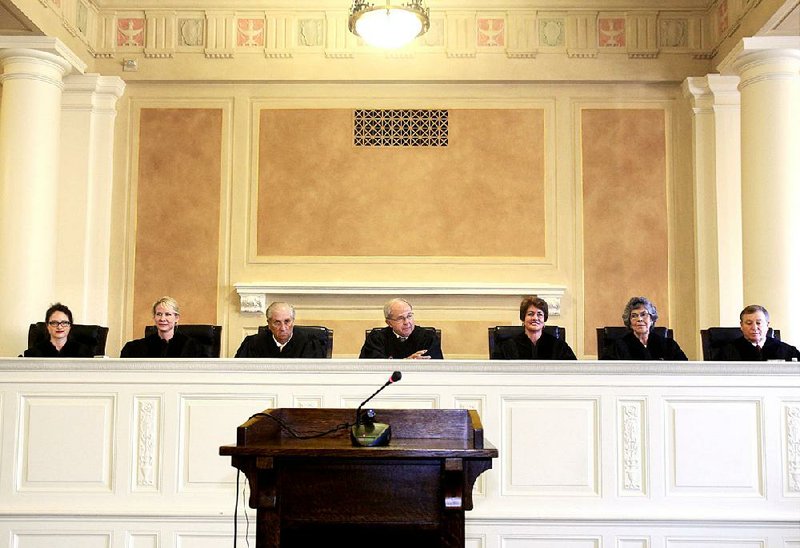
[372, 435]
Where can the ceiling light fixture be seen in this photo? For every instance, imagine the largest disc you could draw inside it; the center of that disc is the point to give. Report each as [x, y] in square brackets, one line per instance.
[388, 26]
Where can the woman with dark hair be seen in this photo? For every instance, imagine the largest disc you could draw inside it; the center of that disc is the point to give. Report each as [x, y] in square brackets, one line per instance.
[640, 343]
[533, 343]
[58, 320]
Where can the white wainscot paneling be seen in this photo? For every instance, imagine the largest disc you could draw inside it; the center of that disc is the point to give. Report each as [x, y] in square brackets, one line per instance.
[791, 437]
[147, 429]
[715, 543]
[82, 427]
[60, 540]
[385, 401]
[632, 462]
[551, 447]
[209, 540]
[715, 447]
[142, 540]
[205, 426]
[633, 543]
[550, 542]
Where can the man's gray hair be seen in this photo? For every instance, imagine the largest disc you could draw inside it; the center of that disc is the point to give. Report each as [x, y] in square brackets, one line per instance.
[752, 309]
[277, 304]
[387, 308]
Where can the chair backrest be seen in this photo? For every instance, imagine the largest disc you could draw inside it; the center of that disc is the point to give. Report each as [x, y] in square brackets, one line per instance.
[605, 335]
[715, 338]
[321, 333]
[208, 337]
[500, 333]
[93, 336]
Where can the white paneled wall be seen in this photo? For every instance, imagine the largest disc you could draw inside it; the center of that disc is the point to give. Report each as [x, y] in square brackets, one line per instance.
[124, 454]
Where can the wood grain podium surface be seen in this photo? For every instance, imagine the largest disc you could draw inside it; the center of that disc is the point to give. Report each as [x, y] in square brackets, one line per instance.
[325, 490]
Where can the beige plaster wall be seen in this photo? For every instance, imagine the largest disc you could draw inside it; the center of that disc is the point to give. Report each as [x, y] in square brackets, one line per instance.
[482, 195]
[177, 213]
[625, 242]
[566, 212]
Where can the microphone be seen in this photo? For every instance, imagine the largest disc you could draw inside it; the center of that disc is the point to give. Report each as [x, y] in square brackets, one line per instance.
[371, 433]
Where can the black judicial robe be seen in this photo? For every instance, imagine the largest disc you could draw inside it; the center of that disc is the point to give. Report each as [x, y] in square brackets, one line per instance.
[383, 343]
[742, 350]
[520, 347]
[630, 348]
[153, 346]
[71, 349]
[263, 345]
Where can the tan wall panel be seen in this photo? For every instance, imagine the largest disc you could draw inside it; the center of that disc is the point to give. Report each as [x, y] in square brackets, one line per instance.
[624, 213]
[321, 196]
[178, 208]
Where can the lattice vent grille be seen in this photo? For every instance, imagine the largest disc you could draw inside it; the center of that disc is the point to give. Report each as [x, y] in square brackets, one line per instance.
[399, 128]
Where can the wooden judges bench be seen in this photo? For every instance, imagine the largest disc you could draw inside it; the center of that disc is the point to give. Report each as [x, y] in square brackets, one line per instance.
[326, 492]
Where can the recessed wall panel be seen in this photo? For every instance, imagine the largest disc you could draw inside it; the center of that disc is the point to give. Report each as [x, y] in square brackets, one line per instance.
[625, 236]
[551, 542]
[178, 212]
[60, 540]
[207, 423]
[714, 543]
[468, 199]
[81, 427]
[551, 447]
[715, 447]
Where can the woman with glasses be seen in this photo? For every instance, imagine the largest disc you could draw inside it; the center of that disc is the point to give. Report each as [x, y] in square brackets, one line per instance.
[166, 342]
[640, 343]
[533, 343]
[58, 320]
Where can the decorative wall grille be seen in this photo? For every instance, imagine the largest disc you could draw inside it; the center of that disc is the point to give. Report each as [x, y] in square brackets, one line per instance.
[399, 128]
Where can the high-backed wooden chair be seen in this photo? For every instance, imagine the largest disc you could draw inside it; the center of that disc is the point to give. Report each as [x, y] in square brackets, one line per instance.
[323, 334]
[606, 335]
[714, 338]
[93, 336]
[208, 337]
[500, 333]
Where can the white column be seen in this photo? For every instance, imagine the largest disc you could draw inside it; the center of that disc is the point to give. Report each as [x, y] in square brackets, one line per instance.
[84, 215]
[718, 206]
[769, 68]
[30, 116]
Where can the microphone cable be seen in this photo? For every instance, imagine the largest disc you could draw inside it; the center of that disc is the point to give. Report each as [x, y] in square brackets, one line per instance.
[302, 435]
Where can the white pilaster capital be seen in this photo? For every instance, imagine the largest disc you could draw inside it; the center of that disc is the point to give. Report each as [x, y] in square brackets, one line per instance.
[58, 52]
[92, 92]
[712, 92]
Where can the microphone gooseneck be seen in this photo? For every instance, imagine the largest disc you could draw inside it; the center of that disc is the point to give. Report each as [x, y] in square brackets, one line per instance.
[372, 434]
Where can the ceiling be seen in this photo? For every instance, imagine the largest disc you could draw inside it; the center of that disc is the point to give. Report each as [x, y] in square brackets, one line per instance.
[13, 22]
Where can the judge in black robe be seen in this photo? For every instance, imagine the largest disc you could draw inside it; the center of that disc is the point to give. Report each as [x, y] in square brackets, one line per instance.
[630, 347]
[401, 338]
[72, 349]
[166, 342]
[153, 346]
[520, 347]
[264, 345]
[58, 322]
[385, 343]
[640, 342]
[742, 350]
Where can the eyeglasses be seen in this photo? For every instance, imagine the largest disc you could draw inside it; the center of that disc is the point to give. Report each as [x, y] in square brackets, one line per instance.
[407, 317]
[643, 315]
[59, 324]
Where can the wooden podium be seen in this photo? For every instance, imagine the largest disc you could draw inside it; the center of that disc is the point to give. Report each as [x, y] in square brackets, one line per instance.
[326, 492]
